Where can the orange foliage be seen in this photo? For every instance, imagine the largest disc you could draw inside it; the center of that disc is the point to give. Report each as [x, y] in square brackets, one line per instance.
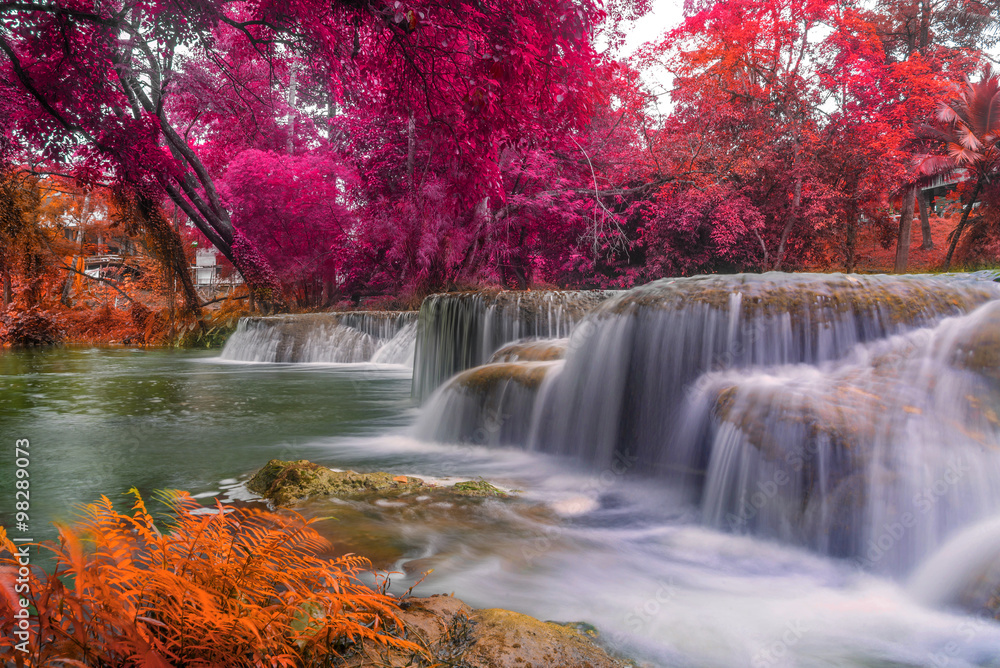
[231, 587]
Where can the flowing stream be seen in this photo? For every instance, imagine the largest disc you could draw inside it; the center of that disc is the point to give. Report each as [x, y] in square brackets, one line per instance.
[775, 470]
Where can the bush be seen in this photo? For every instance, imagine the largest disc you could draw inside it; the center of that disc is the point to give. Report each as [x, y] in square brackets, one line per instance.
[31, 328]
[231, 587]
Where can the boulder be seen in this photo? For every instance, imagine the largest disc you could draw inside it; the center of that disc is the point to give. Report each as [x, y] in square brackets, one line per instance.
[285, 483]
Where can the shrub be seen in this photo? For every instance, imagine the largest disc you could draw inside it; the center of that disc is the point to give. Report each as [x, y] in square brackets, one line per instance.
[230, 587]
[31, 328]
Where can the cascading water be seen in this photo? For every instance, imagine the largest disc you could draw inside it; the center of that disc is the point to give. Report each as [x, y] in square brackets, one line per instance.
[400, 348]
[458, 331]
[485, 405]
[878, 457]
[482, 405]
[385, 337]
[832, 412]
[631, 364]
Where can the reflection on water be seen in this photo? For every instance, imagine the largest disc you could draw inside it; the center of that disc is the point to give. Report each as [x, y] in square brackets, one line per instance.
[101, 421]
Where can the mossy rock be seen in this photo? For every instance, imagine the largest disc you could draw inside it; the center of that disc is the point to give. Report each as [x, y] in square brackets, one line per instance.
[285, 483]
[478, 488]
[584, 628]
[976, 347]
[507, 639]
[893, 300]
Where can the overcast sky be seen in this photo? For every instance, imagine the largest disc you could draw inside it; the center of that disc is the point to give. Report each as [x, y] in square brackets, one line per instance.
[666, 14]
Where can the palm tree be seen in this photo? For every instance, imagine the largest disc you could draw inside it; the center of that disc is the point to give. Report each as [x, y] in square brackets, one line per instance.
[968, 131]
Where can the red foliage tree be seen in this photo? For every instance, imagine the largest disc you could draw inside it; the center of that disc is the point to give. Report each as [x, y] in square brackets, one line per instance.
[161, 95]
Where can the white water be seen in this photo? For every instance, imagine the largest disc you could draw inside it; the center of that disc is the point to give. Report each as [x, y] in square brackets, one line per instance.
[964, 568]
[330, 338]
[631, 558]
[398, 349]
[462, 330]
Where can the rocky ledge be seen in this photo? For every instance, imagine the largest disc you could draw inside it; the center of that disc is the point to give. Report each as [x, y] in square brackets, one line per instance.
[456, 635]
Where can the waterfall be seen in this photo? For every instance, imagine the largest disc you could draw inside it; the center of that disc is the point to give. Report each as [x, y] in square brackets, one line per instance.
[852, 415]
[965, 572]
[487, 405]
[458, 331]
[385, 337]
[878, 457]
[633, 361]
[400, 348]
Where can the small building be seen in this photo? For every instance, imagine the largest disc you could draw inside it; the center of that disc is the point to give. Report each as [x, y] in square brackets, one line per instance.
[206, 267]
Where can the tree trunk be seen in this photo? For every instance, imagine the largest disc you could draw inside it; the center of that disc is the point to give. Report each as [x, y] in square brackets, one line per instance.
[961, 224]
[793, 214]
[411, 152]
[926, 242]
[905, 230]
[67, 289]
[7, 290]
[293, 80]
[852, 243]
[165, 245]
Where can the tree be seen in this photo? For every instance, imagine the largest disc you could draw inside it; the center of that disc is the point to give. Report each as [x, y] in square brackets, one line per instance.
[966, 134]
[936, 40]
[291, 208]
[161, 95]
[747, 112]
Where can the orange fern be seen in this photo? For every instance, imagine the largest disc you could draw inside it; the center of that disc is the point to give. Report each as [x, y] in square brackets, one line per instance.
[228, 587]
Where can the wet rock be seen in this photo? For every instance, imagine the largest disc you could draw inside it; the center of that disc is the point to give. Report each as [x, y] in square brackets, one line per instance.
[478, 488]
[544, 350]
[976, 345]
[456, 635]
[482, 380]
[284, 483]
[505, 639]
[815, 298]
[488, 405]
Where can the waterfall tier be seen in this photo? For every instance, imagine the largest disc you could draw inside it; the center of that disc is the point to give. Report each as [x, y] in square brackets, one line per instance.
[853, 415]
[386, 337]
[878, 457]
[487, 405]
[458, 331]
[633, 361]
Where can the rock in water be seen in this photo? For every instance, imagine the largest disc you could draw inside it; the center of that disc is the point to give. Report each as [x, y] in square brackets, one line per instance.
[531, 350]
[491, 404]
[284, 483]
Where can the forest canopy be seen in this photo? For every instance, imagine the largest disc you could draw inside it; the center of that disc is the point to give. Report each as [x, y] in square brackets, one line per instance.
[339, 151]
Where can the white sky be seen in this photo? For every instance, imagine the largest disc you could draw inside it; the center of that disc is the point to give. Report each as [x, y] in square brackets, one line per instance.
[665, 14]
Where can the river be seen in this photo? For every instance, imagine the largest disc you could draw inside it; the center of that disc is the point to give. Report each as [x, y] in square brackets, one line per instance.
[593, 535]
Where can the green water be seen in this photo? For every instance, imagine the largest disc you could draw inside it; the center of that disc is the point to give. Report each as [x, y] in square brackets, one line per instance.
[103, 420]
